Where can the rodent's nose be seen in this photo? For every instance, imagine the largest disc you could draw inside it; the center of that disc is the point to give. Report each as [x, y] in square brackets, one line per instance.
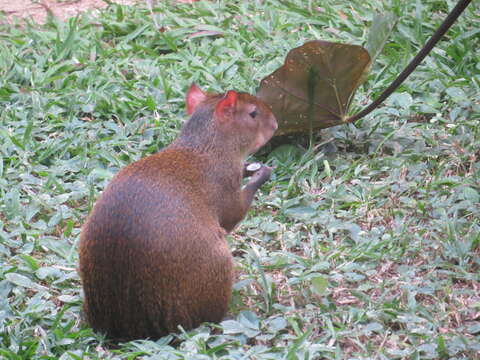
[274, 124]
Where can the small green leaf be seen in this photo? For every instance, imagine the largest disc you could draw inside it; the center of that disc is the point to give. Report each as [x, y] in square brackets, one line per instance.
[47, 271]
[319, 285]
[30, 261]
[277, 324]
[23, 281]
[403, 100]
[269, 227]
[441, 348]
[301, 212]
[372, 327]
[68, 299]
[470, 194]
[456, 94]
[232, 327]
[327, 168]
[286, 153]
[150, 103]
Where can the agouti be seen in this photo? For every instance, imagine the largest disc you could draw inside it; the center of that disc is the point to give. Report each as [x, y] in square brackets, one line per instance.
[153, 253]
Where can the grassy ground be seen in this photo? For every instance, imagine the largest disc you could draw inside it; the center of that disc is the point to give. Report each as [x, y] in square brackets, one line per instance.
[367, 248]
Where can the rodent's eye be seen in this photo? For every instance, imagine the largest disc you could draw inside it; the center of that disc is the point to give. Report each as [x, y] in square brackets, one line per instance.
[253, 114]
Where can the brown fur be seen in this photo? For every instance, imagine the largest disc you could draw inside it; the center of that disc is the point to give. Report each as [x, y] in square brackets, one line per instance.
[153, 253]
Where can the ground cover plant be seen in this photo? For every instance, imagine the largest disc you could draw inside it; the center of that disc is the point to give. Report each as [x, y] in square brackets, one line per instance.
[365, 246]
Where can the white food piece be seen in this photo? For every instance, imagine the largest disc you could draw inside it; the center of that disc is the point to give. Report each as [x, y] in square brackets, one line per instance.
[254, 166]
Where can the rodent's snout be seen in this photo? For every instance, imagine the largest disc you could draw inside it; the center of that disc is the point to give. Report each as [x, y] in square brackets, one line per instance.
[274, 123]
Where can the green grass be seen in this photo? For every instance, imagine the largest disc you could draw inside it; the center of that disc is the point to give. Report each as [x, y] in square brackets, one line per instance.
[365, 248]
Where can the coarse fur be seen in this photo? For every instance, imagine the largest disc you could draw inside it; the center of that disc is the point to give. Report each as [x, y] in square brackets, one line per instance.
[153, 253]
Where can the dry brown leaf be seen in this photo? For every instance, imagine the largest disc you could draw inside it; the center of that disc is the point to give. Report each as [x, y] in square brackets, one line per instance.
[315, 86]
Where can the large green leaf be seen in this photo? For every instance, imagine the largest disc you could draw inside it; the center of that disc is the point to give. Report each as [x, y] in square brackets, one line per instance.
[315, 86]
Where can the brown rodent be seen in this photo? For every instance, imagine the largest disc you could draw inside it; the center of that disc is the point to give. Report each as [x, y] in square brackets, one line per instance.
[153, 253]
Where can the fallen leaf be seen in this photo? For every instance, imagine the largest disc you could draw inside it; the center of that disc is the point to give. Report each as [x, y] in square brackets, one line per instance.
[315, 86]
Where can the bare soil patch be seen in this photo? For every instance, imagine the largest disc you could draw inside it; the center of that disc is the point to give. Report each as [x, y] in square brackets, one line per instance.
[38, 10]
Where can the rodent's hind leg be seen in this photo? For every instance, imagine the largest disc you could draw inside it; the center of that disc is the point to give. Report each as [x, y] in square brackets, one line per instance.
[201, 290]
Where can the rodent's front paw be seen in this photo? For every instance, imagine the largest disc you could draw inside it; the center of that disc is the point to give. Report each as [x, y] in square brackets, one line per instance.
[262, 175]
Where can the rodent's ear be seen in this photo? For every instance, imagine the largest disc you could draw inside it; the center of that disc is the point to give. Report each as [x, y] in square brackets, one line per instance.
[195, 96]
[226, 106]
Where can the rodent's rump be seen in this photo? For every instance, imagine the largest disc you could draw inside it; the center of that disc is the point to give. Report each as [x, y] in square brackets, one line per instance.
[153, 253]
